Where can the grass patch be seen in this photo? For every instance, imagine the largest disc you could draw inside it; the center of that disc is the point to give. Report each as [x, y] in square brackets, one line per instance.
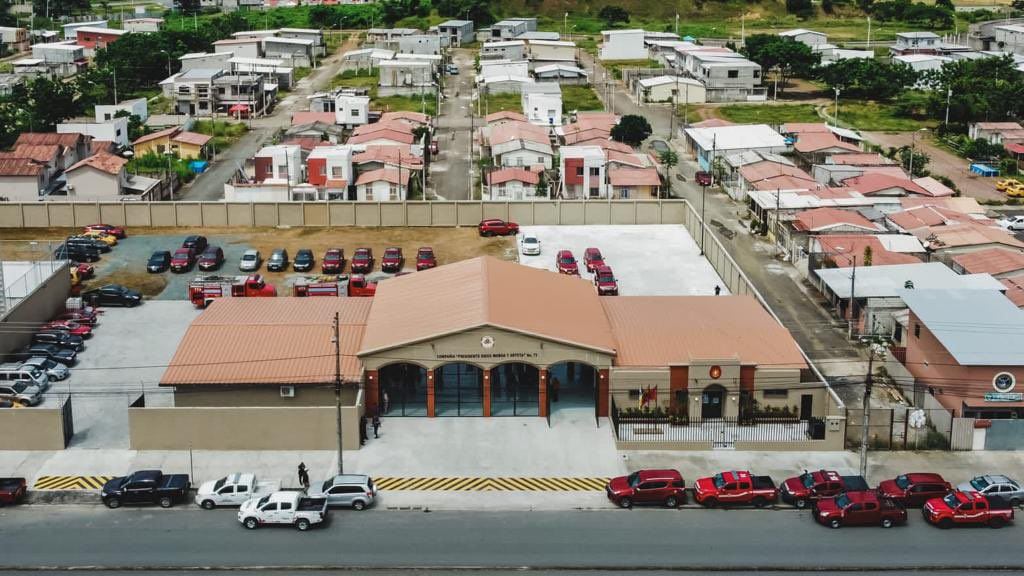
[366, 78]
[407, 103]
[769, 114]
[224, 133]
[877, 117]
[300, 73]
[150, 285]
[616, 66]
[581, 98]
[501, 102]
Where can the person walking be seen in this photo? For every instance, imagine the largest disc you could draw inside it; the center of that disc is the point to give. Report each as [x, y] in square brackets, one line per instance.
[303, 476]
[376, 426]
[387, 403]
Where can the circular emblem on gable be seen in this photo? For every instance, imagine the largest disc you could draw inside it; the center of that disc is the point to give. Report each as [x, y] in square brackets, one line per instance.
[487, 342]
[715, 372]
[1004, 382]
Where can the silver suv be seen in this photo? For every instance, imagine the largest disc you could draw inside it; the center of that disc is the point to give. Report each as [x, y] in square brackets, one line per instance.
[353, 490]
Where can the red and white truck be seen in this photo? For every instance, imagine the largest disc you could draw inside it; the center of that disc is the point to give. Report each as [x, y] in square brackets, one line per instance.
[967, 508]
[809, 487]
[205, 289]
[357, 286]
[735, 487]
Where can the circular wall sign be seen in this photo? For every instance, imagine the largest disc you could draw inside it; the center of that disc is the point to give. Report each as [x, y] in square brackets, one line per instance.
[715, 372]
[487, 342]
[1004, 382]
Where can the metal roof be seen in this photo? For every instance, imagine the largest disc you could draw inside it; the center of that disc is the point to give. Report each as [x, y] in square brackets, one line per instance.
[977, 327]
[887, 281]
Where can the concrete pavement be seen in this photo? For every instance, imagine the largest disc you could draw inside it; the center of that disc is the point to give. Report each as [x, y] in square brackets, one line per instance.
[450, 172]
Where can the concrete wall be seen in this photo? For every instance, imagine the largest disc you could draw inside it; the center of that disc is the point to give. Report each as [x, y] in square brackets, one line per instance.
[41, 305]
[205, 396]
[32, 429]
[1005, 435]
[249, 428]
[437, 214]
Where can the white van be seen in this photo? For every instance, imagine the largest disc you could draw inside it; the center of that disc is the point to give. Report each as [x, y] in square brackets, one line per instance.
[23, 383]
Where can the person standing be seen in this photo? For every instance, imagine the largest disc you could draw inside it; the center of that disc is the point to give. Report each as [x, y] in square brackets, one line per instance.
[376, 426]
[718, 290]
[387, 402]
[303, 476]
[362, 430]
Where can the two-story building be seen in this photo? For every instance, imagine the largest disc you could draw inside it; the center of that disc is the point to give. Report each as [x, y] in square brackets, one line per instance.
[279, 163]
[314, 35]
[330, 167]
[93, 39]
[417, 44]
[13, 40]
[542, 103]
[143, 25]
[623, 45]
[503, 50]
[510, 28]
[459, 32]
[61, 59]
[351, 109]
[916, 43]
[98, 176]
[297, 52]
[134, 107]
[114, 130]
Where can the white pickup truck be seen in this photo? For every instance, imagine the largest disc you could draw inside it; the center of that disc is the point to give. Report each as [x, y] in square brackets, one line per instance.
[292, 508]
[233, 490]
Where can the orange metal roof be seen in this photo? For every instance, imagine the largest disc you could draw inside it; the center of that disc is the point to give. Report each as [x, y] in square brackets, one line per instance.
[486, 291]
[766, 169]
[504, 115]
[634, 177]
[513, 174]
[396, 125]
[814, 142]
[305, 117]
[47, 138]
[270, 341]
[14, 166]
[821, 218]
[392, 175]
[194, 138]
[1015, 290]
[518, 131]
[991, 260]
[39, 152]
[839, 245]
[862, 159]
[964, 234]
[925, 215]
[386, 134]
[409, 116]
[678, 330]
[104, 162]
[805, 128]
[872, 182]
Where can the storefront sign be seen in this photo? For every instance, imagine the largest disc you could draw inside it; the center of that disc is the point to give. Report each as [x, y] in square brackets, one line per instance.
[488, 355]
[1004, 396]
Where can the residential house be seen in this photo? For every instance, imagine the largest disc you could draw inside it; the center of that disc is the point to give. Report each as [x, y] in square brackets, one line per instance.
[582, 172]
[815, 148]
[240, 47]
[142, 25]
[13, 40]
[921, 63]
[114, 130]
[407, 116]
[365, 58]
[172, 140]
[1010, 38]
[296, 52]
[561, 73]
[808, 224]
[208, 60]
[71, 28]
[92, 38]
[314, 35]
[383, 185]
[502, 117]
[254, 34]
[916, 43]
[316, 126]
[61, 59]
[351, 109]
[458, 32]
[498, 68]
[418, 44]
[193, 92]
[998, 262]
[274, 70]
[542, 104]
[98, 176]
[520, 144]
[672, 89]
[503, 50]
[380, 37]
[708, 144]
[924, 216]
[135, 107]
[73, 147]
[279, 163]
[805, 36]
[543, 52]
[973, 373]
[996, 132]
[244, 94]
[503, 84]
[512, 184]
[831, 54]
[385, 137]
[634, 183]
[946, 242]
[414, 75]
[330, 167]
[21, 179]
[1014, 290]
[622, 45]
[875, 184]
[728, 78]
[510, 28]
[378, 157]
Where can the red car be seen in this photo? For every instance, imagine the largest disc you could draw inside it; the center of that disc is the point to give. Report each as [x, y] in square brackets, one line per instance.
[393, 260]
[735, 487]
[115, 231]
[334, 261]
[87, 316]
[914, 489]
[592, 259]
[496, 227]
[805, 489]
[665, 487]
[425, 258]
[966, 508]
[565, 262]
[362, 261]
[85, 271]
[859, 509]
[70, 327]
[703, 178]
[182, 260]
[605, 281]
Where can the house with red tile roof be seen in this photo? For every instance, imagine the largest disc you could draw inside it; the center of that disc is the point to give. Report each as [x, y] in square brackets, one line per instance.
[999, 262]
[923, 216]
[415, 118]
[386, 137]
[875, 184]
[833, 221]
[495, 118]
[73, 146]
[98, 176]
[814, 147]
[22, 179]
[512, 184]
[383, 185]
[844, 250]
[376, 157]
[951, 240]
[634, 183]
[1014, 290]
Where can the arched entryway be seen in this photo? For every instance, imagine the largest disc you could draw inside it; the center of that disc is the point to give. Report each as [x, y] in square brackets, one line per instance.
[712, 402]
[459, 390]
[515, 390]
[572, 385]
[402, 389]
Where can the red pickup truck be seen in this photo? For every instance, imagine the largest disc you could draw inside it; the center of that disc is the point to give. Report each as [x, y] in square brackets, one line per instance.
[865, 508]
[811, 486]
[967, 508]
[735, 487]
[359, 286]
[12, 491]
[915, 489]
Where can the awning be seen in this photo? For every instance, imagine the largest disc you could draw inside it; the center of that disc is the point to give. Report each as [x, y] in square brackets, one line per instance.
[1014, 148]
[239, 108]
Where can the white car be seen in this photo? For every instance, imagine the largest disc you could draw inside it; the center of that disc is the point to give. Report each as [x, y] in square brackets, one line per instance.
[250, 262]
[530, 246]
[290, 507]
[1015, 223]
[232, 490]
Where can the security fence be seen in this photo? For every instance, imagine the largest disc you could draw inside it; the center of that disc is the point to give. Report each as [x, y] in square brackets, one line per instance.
[900, 428]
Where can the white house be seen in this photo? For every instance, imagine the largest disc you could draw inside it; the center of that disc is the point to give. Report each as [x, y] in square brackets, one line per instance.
[71, 28]
[523, 153]
[298, 52]
[240, 47]
[1010, 38]
[564, 73]
[915, 43]
[549, 51]
[330, 167]
[207, 60]
[114, 130]
[143, 25]
[279, 163]
[351, 109]
[923, 63]
[135, 107]
[495, 68]
[405, 73]
[365, 58]
[60, 58]
[314, 35]
[383, 185]
[805, 36]
[505, 50]
[419, 44]
[98, 176]
[542, 103]
[583, 172]
[512, 184]
[283, 76]
[676, 89]
[623, 45]
[459, 32]
[708, 144]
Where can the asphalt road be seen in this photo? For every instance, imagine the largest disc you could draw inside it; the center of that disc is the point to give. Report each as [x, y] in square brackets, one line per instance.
[450, 171]
[692, 540]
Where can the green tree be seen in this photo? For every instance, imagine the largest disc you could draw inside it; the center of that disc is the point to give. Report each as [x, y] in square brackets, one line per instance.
[988, 89]
[189, 6]
[669, 159]
[920, 161]
[801, 8]
[612, 15]
[947, 4]
[869, 78]
[479, 11]
[788, 57]
[1017, 5]
[632, 130]
[541, 189]
[60, 7]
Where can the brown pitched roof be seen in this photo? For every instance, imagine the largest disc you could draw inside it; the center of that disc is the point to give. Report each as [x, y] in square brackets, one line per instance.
[504, 115]
[287, 341]
[194, 138]
[634, 177]
[39, 152]
[513, 174]
[14, 166]
[871, 183]
[165, 133]
[392, 175]
[838, 244]
[823, 218]
[409, 116]
[486, 291]
[991, 261]
[104, 162]
[816, 141]
[679, 330]
[1015, 290]
[387, 134]
[48, 138]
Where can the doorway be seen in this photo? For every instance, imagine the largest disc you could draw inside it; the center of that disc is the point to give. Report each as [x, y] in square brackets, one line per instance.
[572, 386]
[711, 401]
[402, 390]
[806, 406]
[459, 390]
[514, 390]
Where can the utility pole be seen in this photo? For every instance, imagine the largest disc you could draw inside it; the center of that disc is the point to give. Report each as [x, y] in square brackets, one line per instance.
[337, 388]
[853, 286]
[874, 347]
[949, 94]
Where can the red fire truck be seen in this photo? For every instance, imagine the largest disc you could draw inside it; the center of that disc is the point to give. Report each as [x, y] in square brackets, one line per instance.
[204, 289]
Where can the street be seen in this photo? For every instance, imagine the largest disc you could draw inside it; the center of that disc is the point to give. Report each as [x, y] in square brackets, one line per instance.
[689, 540]
[451, 171]
[942, 162]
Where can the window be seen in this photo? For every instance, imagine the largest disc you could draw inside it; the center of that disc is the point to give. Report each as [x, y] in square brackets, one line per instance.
[241, 489]
[282, 169]
[733, 73]
[579, 171]
[757, 73]
[652, 485]
[776, 393]
[917, 330]
[355, 113]
[624, 192]
[540, 159]
[286, 505]
[595, 171]
[634, 394]
[335, 171]
[393, 193]
[595, 192]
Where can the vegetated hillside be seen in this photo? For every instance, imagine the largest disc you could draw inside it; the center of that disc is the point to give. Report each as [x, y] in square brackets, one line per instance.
[585, 14]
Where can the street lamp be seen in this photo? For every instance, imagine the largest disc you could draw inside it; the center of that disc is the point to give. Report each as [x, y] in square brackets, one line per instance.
[835, 120]
[168, 54]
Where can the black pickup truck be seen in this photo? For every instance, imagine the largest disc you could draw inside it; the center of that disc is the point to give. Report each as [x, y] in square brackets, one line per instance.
[146, 487]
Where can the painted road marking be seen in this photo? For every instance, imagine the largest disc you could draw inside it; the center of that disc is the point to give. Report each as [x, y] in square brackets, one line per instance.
[480, 484]
[71, 482]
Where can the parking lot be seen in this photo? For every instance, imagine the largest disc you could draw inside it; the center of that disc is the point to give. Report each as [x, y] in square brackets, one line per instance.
[655, 260]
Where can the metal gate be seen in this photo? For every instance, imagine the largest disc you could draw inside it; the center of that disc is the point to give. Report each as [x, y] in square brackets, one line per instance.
[962, 437]
[68, 421]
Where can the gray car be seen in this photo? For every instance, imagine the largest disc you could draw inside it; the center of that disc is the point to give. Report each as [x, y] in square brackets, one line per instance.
[353, 490]
[278, 261]
[251, 261]
[55, 370]
[995, 485]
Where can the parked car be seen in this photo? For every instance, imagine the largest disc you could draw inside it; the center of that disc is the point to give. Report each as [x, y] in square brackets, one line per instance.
[334, 261]
[592, 259]
[304, 260]
[355, 491]
[995, 485]
[54, 370]
[452, 69]
[115, 231]
[12, 491]
[359, 287]
[530, 246]
[665, 487]
[362, 261]
[425, 258]
[87, 241]
[27, 373]
[107, 239]
[86, 315]
[65, 356]
[604, 280]
[21, 391]
[146, 487]
[251, 261]
[1007, 184]
[233, 490]
[393, 260]
[77, 252]
[735, 487]
[182, 260]
[565, 263]
[159, 261]
[58, 337]
[703, 178]
[496, 227]
[278, 261]
[805, 489]
[196, 243]
[211, 258]
[861, 508]
[915, 489]
[1015, 223]
[73, 328]
[291, 508]
[112, 295]
[967, 508]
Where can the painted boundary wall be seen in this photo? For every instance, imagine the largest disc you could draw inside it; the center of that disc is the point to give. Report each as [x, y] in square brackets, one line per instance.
[32, 429]
[325, 214]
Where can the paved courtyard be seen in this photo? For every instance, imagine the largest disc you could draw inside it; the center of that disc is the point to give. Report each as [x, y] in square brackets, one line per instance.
[648, 260]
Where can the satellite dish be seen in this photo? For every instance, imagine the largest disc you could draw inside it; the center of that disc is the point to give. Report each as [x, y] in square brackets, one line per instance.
[916, 419]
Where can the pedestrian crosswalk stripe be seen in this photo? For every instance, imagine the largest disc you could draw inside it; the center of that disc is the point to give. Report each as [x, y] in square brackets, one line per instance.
[484, 483]
[70, 482]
